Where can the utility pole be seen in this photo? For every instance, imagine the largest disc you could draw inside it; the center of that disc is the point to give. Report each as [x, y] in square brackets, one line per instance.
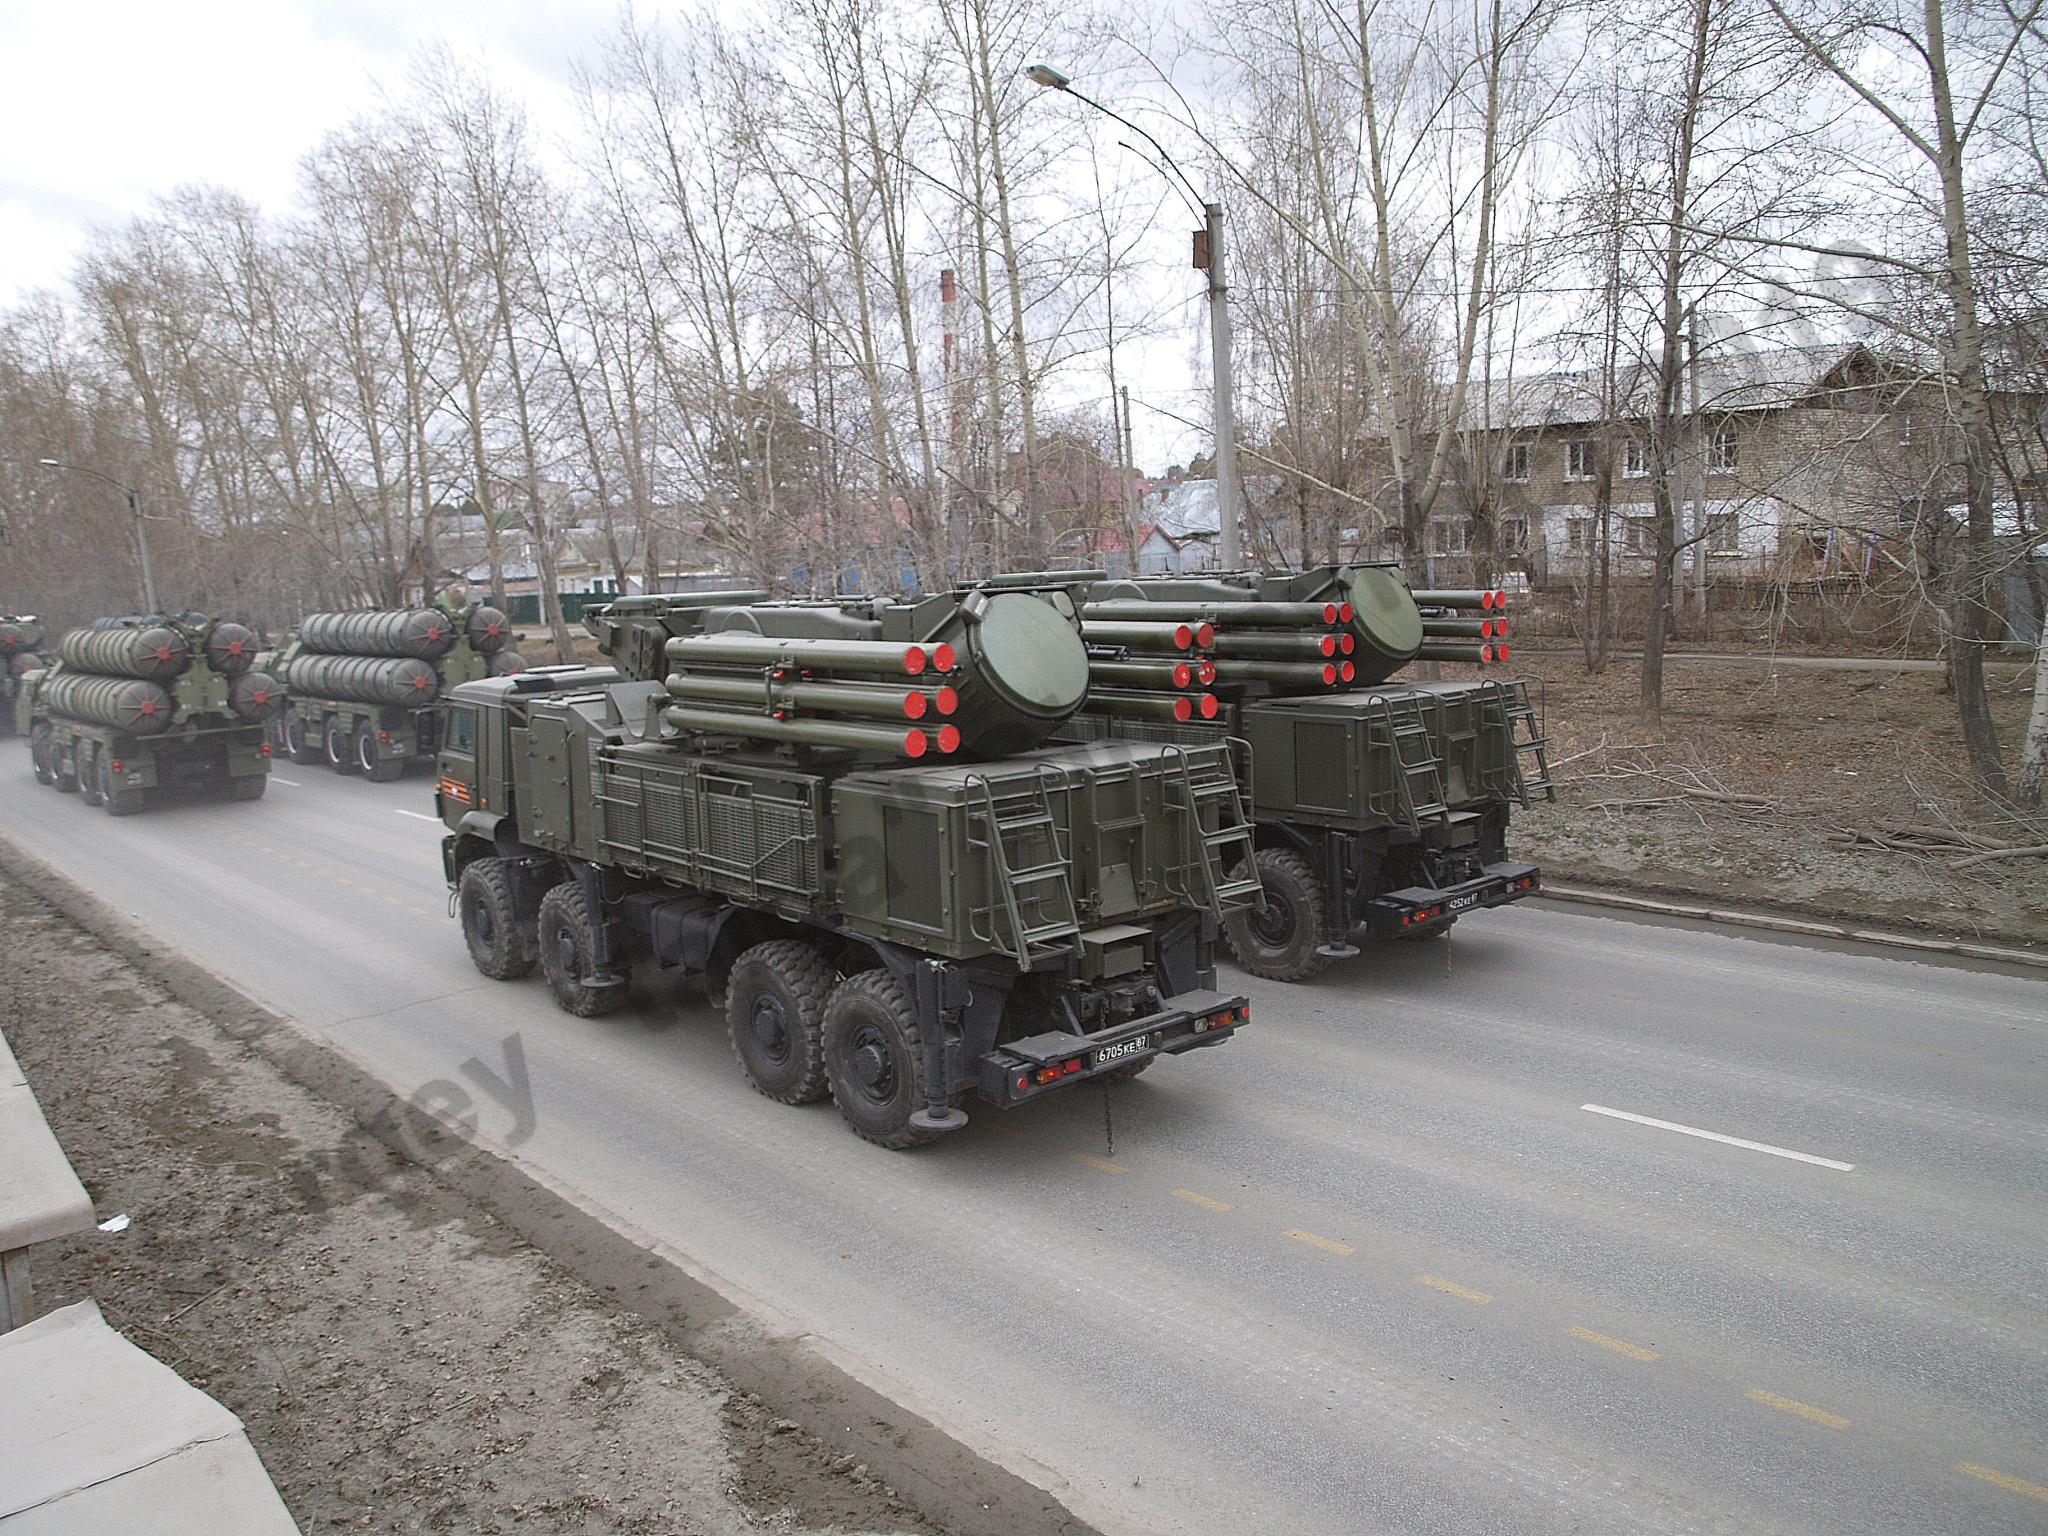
[1209, 255]
[134, 498]
[1130, 483]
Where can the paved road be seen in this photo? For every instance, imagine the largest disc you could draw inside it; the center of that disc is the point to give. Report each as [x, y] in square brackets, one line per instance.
[1374, 1266]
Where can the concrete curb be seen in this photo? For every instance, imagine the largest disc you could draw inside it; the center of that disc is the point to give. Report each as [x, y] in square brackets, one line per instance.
[1802, 927]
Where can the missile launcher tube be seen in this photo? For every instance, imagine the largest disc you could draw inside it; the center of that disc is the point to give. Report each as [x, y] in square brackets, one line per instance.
[889, 740]
[1175, 707]
[1151, 676]
[507, 663]
[1271, 647]
[1463, 629]
[230, 648]
[1226, 615]
[886, 658]
[1142, 636]
[1302, 676]
[424, 634]
[1486, 601]
[1445, 650]
[488, 630]
[154, 654]
[255, 696]
[131, 704]
[880, 701]
[19, 635]
[402, 681]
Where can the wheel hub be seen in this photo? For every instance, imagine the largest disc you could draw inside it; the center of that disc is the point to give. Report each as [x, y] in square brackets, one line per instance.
[770, 1028]
[874, 1065]
[1272, 921]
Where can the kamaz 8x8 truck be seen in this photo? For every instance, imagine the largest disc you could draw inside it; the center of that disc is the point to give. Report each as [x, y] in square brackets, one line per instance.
[135, 705]
[363, 690]
[846, 816]
[1382, 804]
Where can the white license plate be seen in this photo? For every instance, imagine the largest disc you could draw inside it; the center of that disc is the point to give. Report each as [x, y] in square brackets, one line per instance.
[1119, 1051]
[1460, 903]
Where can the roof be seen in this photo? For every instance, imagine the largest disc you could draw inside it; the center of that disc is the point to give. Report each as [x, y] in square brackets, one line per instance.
[1732, 380]
[1186, 509]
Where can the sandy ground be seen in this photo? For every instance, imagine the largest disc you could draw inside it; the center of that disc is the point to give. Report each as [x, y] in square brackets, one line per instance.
[403, 1359]
[1827, 749]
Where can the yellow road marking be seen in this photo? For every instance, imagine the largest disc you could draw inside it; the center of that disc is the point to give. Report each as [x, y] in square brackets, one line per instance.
[2018, 1485]
[1327, 1244]
[394, 901]
[1452, 1288]
[1633, 1351]
[1802, 1410]
[1202, 1200]
[1098, 1162]
[420, 912]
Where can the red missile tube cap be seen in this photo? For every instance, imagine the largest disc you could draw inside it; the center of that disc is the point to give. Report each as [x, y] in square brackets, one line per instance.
[1330, 613]
[1181, 708]
[1183, 637]
[913, 659]
[1500, 653]
[1346, 613]
[1207, 706]
[1346, 672]
[1327, 646]
[1205, 636]
[1183, 674]
[948, 700]
[914, 743]
[1205, 673]
[914, 705]
[949, 738]
[1329, 673]
[944, 659]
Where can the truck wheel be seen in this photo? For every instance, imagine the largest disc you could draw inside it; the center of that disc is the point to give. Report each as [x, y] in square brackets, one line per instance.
[874, 1058]
[296, 746]
[66, 779]
[249, 786]
[775, 1011]
[370, 757]
[488, 900]
[42, 749]
[1279, 937]
[85, 769]
[566, 947]
[341, 751]
[118, 801]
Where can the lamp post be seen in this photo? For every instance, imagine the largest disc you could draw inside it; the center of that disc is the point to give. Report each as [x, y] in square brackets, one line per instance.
[1209, 258]
[149, 602]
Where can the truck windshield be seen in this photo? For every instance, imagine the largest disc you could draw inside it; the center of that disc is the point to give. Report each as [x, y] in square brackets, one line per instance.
[462, 731]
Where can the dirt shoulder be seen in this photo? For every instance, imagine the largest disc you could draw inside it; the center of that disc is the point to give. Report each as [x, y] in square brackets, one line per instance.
[417, 1336]
[1762, 786]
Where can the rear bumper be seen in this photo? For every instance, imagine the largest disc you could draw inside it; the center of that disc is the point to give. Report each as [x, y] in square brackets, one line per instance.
[1420, 908]
[1044, 1064]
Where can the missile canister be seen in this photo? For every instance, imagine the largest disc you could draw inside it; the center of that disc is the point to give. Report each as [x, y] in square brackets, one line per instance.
[895, 741]
[506, 662]
[421, 633]
[230, 648]
[1270, 646]
[131, 704]
[403, 681]
[1486, 601]
[19, 635]
[489, 631]
[255, 696]
[153, 653]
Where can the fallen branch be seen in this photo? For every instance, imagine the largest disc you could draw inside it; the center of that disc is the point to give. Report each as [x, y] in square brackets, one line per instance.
[2039, 850]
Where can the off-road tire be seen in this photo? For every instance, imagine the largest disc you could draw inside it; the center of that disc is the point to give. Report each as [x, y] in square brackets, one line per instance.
[566, 945]
[118, 802]
[1279, 938]
[42, 749]
[340, 751]
[248, 786]
[85, 773]
[487, 900]
[376, 767]
[775, 1001]
[298, 748]
[876, 1094]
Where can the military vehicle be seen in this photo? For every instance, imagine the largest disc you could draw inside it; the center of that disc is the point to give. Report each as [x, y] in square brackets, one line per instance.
[845, 815]
[21, 639]
[363, 690]
[1381, 805]
[150, 702]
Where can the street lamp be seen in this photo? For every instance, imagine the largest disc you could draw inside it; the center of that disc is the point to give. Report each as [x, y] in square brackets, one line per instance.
[149, 602]
[1209, 257]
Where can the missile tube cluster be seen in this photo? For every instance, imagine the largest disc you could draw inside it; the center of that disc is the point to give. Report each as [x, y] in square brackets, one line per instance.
[1449, 633]
[126, 674]
[388, 656]
[877, 696]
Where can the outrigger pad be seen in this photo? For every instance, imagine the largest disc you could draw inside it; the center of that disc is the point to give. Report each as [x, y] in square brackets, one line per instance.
[944, 1118]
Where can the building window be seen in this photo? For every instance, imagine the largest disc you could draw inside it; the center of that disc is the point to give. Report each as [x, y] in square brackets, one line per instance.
[1515, 467]
[1723, 536]
[1635, 459]
[1579, 456]
[1512, 536]
[1450, 536]
[1578, 534]
[1724, 454]
[1640, 534]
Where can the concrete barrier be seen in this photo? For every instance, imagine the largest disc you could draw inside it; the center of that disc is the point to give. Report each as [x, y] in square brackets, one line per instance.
[40, 1196]
[97, 1437]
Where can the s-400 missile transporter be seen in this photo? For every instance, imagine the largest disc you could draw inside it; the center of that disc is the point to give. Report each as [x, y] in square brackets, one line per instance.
[1381, 804]
[153, 702]
[363, 690]
[21, 640]
[846, 816]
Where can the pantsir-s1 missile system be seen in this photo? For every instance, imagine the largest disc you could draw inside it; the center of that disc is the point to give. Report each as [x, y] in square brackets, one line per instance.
[363, 690]
[845, 815]
[137, 704]
[1381, 804]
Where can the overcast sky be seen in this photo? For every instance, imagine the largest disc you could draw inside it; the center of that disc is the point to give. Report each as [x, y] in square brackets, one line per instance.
[105, 104]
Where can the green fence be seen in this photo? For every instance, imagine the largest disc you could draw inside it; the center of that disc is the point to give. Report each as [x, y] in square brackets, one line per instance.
[524, 607]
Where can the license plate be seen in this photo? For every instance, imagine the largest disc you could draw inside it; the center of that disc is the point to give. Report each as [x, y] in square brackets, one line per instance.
[1119, 1051]
[1460, 903]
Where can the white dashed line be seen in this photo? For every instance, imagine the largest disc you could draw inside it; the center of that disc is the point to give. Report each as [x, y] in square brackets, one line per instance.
[1732, 1141]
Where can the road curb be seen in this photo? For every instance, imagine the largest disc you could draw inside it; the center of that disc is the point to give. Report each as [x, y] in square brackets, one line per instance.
[1803, 927]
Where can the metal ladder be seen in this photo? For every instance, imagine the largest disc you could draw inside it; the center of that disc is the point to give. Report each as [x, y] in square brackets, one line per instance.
[1028, 866]
[1416, 765]
[1219, 831]
[1528, 748]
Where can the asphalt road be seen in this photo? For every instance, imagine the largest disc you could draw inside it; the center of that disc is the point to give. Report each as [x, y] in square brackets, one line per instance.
[1377, 1265]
